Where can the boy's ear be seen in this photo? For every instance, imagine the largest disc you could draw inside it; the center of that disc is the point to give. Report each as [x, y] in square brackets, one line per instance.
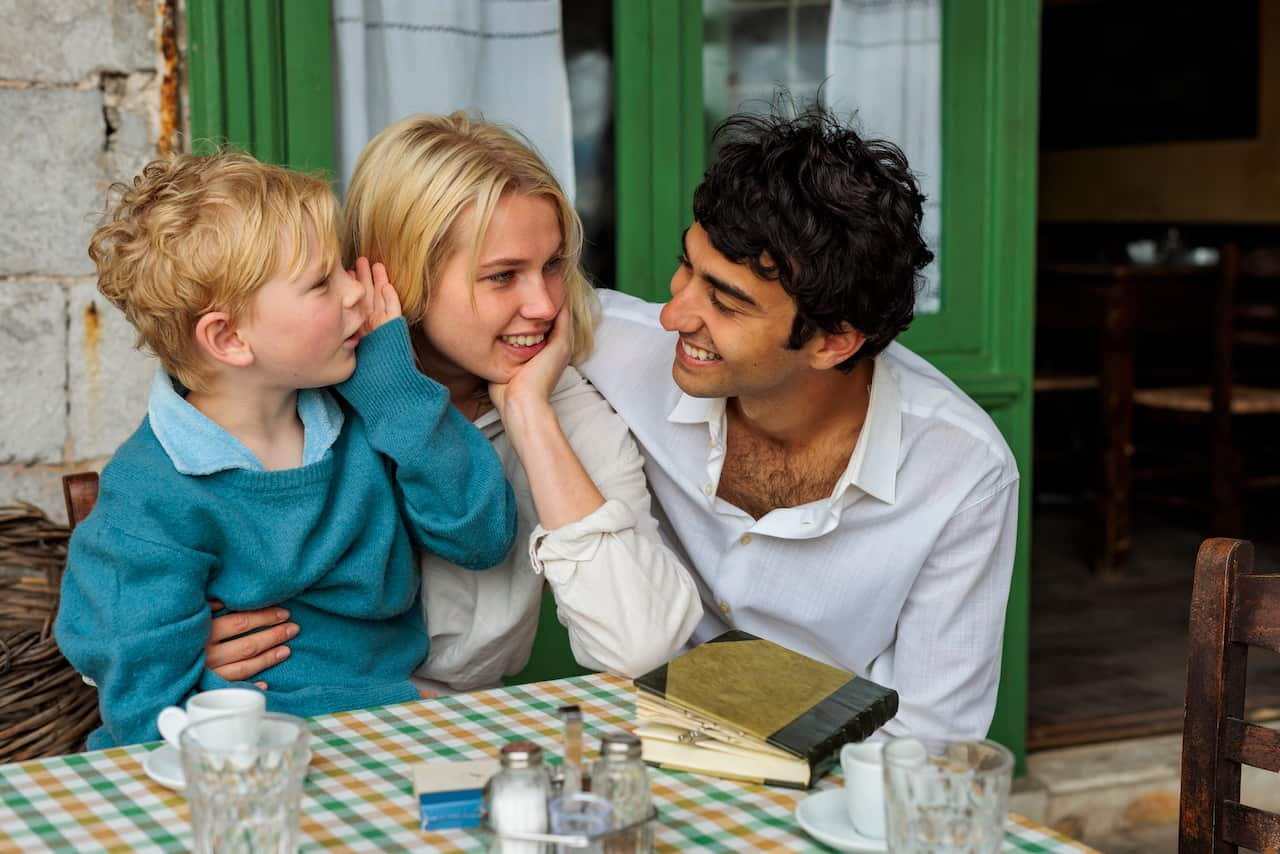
[218, 337]
[832, 348]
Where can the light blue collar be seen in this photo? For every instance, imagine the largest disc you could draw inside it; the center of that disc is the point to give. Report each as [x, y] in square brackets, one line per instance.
[198, 446]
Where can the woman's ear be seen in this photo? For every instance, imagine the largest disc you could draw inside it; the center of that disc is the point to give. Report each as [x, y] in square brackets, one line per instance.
[221, 341]
[832, 348]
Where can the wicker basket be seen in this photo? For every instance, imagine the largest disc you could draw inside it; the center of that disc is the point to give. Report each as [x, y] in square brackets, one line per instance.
[46, 709]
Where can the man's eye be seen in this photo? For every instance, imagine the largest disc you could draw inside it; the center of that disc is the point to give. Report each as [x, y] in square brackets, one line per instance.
[718, 305]
[683, 260]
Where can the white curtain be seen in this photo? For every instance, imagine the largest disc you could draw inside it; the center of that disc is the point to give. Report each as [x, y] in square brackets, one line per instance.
[884, 61]
[503, 59]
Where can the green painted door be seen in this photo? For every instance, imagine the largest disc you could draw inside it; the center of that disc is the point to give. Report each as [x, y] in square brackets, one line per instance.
[260, 78]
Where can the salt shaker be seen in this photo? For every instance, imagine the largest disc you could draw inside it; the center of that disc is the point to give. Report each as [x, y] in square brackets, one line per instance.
[517, 798]
[620, 778]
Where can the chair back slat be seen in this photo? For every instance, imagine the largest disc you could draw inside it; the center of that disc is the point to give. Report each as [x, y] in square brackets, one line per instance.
[1231, 609]
[1251, 827]
[1251, 744]
[80, 491]
[1258, 607]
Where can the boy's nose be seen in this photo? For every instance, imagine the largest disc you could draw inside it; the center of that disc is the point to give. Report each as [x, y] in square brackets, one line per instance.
[354, 291]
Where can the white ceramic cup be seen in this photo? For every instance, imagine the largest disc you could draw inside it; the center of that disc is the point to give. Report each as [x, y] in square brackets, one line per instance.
[242, 708]
[864, 787]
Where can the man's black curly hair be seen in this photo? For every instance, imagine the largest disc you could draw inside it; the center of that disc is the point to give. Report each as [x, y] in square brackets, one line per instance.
[837, 216]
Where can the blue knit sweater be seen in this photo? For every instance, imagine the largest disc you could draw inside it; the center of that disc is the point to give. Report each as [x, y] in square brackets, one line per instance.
[331, 541]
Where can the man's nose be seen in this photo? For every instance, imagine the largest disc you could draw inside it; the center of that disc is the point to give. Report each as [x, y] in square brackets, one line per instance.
[679, 314]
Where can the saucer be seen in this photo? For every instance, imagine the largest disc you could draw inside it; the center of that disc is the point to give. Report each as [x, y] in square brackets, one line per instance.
[164, 765]
[824, 817]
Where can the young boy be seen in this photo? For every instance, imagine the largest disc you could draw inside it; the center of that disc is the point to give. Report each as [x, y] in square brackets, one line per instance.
[249, 483]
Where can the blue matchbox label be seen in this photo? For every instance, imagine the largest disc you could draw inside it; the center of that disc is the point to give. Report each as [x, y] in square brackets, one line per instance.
[447, 810]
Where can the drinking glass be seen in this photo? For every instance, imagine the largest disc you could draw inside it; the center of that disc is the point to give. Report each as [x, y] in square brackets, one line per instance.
[580, 814]
[946, 797]
[244, 797]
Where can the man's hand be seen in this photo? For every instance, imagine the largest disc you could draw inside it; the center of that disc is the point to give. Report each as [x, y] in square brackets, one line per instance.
[235, 658]
[534, 381]
[380, 297]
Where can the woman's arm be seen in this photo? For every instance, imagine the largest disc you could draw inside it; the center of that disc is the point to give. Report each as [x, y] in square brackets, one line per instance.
[562, 490]
[627, 601]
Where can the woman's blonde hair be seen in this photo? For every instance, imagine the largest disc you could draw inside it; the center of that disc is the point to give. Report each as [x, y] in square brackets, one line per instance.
[194, 234]
[412, 190]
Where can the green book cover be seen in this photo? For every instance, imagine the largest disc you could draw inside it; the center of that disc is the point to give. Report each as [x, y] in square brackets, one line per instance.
[776, 695]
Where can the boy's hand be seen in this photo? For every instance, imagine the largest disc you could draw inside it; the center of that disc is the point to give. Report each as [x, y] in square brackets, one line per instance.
[381, 298]
[534, 380]
[236, 658]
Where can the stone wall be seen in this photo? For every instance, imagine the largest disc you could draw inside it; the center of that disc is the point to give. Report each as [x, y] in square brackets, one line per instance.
[79, 108]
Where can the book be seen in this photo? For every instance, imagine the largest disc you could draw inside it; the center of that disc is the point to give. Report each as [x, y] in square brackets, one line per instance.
[742, 707]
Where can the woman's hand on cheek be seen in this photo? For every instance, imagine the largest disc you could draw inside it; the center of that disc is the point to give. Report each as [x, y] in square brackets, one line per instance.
[380, 296]
[535, 379]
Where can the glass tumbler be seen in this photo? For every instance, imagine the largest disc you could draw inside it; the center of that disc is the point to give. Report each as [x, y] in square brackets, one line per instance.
[580, 814]
[244, 794]
[946, 797]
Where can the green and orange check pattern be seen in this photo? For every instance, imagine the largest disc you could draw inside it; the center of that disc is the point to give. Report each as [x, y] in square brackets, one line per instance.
[359, 795]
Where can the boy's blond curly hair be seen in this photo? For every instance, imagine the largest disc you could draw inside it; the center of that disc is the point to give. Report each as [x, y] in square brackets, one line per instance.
[194, 234]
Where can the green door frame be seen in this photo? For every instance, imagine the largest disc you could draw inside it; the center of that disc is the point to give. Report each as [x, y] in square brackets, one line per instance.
[260, 77]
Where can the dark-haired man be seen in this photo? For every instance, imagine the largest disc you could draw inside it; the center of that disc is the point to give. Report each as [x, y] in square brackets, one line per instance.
[832, 491]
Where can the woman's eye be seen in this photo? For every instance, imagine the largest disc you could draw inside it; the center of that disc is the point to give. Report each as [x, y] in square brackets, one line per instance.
[501, 278]
[553, 265]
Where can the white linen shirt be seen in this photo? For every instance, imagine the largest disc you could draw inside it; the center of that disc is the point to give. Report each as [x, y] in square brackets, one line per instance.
[900, 575]
[626, 600]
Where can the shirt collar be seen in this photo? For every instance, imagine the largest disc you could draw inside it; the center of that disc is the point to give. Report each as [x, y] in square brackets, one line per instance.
[873, 465]
[196, 445]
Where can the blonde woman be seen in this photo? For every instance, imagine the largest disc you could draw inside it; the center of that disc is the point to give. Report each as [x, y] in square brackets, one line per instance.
[482, 247]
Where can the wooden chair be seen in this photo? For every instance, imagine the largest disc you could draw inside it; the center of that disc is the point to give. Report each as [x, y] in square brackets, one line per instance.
[1232, 608]
[1221, 400]
[80, 491]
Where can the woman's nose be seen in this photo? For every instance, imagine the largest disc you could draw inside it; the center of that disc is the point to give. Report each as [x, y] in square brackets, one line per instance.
[538, 304]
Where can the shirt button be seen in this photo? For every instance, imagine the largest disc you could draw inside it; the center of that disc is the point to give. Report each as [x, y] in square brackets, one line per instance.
[724, 607]
[708, 488]
[744, 539]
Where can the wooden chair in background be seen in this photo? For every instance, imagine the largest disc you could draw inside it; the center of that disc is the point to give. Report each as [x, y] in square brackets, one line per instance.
[80, 491]
[1232, 325]
[1232, 608]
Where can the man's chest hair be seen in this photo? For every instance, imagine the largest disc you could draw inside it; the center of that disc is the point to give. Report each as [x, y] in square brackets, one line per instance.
[759, 475]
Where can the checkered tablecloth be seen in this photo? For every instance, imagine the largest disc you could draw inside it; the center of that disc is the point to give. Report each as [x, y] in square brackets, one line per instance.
[359, 796]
